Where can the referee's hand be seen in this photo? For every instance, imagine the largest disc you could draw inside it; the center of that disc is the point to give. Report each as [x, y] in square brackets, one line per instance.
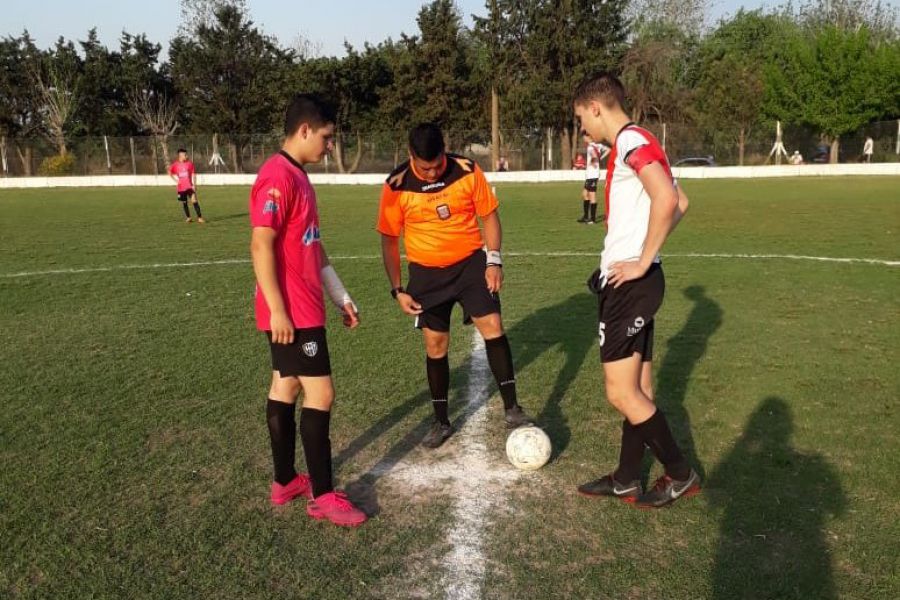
[408, 305]
[282, 328]
[493, 275]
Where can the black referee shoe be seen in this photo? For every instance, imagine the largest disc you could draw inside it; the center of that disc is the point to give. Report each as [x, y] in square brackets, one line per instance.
[516, 417]
[607, 486]
[437, 435]
[667, 490]
[583, 220]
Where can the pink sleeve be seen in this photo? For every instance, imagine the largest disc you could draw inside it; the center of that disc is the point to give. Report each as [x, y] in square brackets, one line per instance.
[191, 168]
[172, 169]
[269, 203]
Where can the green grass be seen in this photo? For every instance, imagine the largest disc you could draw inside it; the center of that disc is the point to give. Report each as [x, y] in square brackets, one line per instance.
[135, 455]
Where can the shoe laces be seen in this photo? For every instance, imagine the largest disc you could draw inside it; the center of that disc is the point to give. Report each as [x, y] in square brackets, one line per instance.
[341, 502]
[662, 483]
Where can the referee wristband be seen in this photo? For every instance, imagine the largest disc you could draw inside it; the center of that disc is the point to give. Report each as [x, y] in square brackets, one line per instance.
[397, 290]
[494, 259]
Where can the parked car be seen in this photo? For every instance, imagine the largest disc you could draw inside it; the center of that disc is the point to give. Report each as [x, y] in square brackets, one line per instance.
[822, 154]
[696, 161]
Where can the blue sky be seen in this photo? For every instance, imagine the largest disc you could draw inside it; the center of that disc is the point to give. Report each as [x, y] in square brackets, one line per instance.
[326, 24]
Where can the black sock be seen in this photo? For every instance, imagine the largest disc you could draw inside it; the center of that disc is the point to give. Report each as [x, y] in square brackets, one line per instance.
[439, 381]
[499, 357]
[283, 434]
[314, 426]
[630, 454]
[187, 212]
[586, 204]
[594, 211]
[656, 434]
[197, 210]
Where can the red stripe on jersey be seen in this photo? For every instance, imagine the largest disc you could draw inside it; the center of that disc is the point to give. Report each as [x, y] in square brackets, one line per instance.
[650, 153]
[610, 167]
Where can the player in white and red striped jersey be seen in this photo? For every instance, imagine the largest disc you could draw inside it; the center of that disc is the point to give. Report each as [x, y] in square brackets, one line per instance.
[643, 205]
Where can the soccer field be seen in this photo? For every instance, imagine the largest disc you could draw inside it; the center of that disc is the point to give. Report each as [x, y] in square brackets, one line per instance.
[136, 461]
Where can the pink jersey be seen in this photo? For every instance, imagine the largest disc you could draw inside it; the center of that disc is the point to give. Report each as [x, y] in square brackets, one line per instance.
[284, 200]
[185, 173]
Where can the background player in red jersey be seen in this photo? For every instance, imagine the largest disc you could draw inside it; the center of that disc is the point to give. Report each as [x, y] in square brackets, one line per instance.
[182, 172]
[292, 270]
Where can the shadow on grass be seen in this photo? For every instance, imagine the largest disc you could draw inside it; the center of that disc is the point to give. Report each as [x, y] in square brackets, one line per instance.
[560, 325]
[684, 351]
[775, 501]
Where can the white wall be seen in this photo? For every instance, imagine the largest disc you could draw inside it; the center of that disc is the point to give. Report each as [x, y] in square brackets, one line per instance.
[508, 177]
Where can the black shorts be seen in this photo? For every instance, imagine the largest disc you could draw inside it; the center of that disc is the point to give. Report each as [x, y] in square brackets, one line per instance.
[437, 289]
[626, 316]
[590, 185]
[185, 195]
[306, 357]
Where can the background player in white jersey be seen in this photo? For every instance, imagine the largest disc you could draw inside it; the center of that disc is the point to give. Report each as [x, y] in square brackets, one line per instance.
[594, 153]
[644, 203]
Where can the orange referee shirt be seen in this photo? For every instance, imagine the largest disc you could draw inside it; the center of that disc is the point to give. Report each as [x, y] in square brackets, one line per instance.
[438, 220]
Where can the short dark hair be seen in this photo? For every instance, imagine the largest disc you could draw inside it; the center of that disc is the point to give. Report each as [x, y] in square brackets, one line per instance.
[604, 87]
[426, 141]
[310, 109]
[180, 150]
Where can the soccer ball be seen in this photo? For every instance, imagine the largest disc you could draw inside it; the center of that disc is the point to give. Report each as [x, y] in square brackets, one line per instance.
[528, 448]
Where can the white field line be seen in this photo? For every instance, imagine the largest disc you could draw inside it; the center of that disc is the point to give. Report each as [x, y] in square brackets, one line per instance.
[473, 475]
[244, 261]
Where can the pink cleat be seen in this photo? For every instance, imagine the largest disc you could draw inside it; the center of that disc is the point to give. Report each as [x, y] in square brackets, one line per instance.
[300, 486]
[335, 507]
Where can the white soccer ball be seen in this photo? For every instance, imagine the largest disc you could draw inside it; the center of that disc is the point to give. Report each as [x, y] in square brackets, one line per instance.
[528, 448]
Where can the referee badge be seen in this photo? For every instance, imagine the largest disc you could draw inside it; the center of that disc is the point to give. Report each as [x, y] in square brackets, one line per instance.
[443, 212]
[310, 349]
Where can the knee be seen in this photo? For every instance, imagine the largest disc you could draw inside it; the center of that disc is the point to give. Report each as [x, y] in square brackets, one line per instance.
[285, 389]
[619, 396]
[437, 347]
[490, 327]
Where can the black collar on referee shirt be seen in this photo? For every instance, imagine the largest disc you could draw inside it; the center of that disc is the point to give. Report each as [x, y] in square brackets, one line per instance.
[291, 160]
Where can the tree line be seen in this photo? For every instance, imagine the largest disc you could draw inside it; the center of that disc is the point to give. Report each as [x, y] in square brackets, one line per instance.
[829, 65]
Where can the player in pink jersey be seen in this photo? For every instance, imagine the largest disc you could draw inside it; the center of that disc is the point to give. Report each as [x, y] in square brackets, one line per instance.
[182, 172]
[292, 270]
[643, 206]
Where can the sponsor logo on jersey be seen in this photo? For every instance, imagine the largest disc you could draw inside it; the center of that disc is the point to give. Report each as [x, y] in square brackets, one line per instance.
[270, 207]
[310, 349]
[311, 236]
[433, 186]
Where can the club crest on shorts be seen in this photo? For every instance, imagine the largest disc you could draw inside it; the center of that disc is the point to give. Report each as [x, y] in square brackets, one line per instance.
[638, 325]
[310, 349]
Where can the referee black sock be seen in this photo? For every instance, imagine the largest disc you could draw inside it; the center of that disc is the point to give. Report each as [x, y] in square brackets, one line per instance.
[187, 212]
[439, 381]
[593, 211]
[586, 204]
[656, 434]
[197, 210]
[283, 435]
[499, 357]
[314, 432]
[630, 454]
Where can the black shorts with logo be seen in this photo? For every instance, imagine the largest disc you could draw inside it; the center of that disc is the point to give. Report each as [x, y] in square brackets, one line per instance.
[437, 289]
[185, 195]
[590, 184]
[626, 316]
[306, 357]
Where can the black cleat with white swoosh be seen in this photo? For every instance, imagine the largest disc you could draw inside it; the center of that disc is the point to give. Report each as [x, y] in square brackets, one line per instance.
[607, 486]
[667, 490]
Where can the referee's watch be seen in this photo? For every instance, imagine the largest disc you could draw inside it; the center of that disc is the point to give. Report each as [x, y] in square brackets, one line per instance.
[397, 290]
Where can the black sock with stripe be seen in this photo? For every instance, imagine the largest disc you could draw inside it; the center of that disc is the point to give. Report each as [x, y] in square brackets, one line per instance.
[438, 370]
[499, 356]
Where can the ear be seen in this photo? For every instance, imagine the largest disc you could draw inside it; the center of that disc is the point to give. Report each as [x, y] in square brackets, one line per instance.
[303, 131]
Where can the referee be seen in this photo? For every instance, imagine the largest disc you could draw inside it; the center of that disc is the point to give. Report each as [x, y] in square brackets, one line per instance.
[435, 200]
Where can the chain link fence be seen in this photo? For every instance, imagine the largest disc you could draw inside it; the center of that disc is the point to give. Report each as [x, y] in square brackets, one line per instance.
[380, 152]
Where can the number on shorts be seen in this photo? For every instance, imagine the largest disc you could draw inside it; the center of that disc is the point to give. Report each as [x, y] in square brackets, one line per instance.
[602, 333]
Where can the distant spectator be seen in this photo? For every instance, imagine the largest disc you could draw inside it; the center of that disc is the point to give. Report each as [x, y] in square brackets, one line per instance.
[796, 158]
[502, 164]
[580, 162]
[868, 149]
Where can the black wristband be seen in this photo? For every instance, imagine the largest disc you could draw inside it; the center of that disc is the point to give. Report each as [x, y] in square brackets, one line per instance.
[397, 290]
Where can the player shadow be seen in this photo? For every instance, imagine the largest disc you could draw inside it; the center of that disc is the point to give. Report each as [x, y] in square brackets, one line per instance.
[683, 351]
[775, 502]
[560, 325]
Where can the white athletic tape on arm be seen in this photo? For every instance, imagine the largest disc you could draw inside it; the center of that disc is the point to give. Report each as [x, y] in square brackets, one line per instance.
[494, 258]
[332, 284]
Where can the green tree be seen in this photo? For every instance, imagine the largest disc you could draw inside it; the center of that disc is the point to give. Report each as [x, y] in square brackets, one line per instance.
[230, 77]
[20, 116]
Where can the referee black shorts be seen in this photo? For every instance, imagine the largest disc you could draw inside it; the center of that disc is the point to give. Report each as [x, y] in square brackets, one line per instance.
[437, 289]
[626, 316]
